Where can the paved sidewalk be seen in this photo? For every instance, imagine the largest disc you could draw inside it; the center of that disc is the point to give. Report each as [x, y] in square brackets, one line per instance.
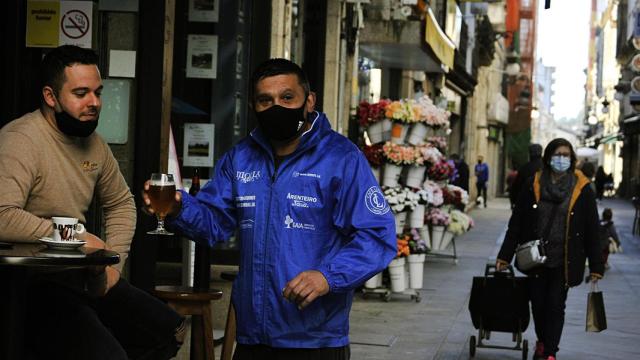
[439, 327]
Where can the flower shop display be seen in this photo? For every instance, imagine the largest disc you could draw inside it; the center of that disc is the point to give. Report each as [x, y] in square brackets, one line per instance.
[407, 154]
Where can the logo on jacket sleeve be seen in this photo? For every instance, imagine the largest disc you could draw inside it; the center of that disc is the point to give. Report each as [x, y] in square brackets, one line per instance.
[374, 199]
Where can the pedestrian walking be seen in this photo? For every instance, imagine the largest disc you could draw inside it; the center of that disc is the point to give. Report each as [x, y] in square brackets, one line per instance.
[608, 235]
[557, 189]
[526, 172]
[601, 180]
[462, 170]
[482, 177]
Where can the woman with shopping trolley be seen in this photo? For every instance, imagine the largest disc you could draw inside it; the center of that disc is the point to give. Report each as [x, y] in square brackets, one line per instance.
[558, 216]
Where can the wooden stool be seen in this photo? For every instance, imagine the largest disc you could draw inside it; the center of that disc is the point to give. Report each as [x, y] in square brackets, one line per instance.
[230, 326]
[189, 301]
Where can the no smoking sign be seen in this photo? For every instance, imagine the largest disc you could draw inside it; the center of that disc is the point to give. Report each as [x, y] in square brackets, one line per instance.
[75, 24]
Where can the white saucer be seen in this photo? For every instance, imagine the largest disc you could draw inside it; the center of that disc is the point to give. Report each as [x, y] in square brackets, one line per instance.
[61, 245]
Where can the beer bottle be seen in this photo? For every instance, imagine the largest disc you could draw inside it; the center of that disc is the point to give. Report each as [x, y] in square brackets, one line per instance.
[195, 184]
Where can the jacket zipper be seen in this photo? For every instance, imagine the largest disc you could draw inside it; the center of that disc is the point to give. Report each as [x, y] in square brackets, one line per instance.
[264, 252]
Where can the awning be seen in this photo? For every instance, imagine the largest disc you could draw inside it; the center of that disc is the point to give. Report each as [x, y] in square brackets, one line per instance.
[439, 42]
[399, 56]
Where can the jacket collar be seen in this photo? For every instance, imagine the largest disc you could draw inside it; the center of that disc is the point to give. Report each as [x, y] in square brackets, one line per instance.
[581, 182]
[320, 127]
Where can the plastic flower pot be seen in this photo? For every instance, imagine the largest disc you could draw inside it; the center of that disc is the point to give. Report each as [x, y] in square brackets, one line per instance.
[415, 176]
[396, 274]
[446, 240]
[418, 134]
[374, 282]
[416, 217]
[416, 270]
[375, 132]
[401, 219]
[436, 236]
[399, 132]
[424, 235]
[391, 175]
[386, 129]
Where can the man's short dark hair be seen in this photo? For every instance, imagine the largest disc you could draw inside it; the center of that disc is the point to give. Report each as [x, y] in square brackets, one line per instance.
[278, 66]
[535, 151]
[607, 214]
[551, 148]
[54, 63]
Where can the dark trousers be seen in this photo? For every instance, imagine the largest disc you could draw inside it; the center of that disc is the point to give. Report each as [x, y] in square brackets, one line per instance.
[548, 297]
[482, 191]
[263, 352]
[126, 323]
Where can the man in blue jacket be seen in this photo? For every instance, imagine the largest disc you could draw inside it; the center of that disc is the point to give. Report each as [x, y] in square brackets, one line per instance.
[313, 224]
[482, 177]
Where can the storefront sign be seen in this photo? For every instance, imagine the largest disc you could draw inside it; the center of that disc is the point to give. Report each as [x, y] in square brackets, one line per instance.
[441, 45]
[52, 23]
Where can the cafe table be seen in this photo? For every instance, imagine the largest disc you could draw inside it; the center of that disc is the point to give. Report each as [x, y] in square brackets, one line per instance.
[16, 263]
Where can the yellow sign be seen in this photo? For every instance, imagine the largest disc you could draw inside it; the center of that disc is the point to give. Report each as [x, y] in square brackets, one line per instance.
[441, 45]
[43, 18]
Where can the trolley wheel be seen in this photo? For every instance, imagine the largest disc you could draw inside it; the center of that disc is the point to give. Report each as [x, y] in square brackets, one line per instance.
[386, 296]
[525, 349]
[472, 346]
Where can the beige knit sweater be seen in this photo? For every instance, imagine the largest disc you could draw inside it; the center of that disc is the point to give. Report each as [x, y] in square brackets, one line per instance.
[44, 173]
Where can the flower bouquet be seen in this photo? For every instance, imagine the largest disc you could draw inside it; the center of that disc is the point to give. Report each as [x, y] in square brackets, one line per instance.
[455, 195]
[431, 114]
[402, 241]
[439, 142]
[374, 156]
[430, 154]
[434, 195]
[439, 171]
[417, 245]
[372, 117]
[459, 222]
[401, 199]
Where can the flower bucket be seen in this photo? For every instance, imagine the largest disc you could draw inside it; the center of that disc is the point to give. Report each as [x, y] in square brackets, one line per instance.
[416, 217]
[446, 240]
[424, 235]
[374, 282]
[396, 273]
[376, 173]
[415, 176]
[375, 132]
[391, 174]
[401, 220]
[436, 237]
[416, 270]
[418, 134]
[399, 132]
[386, 129]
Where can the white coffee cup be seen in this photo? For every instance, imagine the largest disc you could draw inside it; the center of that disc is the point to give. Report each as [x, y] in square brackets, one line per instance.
[66, 228]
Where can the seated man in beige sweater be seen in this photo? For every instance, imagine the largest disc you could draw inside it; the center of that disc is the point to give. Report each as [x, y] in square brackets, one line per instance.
[52, 163]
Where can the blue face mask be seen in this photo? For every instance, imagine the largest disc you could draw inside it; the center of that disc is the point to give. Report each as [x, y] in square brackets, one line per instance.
[560, 163]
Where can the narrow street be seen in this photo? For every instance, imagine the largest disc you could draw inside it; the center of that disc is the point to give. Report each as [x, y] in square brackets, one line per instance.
[440, 325]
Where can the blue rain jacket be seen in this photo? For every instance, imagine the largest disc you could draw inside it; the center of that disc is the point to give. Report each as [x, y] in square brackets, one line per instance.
[321, 210]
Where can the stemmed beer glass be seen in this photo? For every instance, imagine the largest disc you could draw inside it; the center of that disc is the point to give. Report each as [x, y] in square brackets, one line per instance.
[162, 192]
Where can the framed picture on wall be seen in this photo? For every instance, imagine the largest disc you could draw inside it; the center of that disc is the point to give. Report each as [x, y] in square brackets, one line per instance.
[202, 56]
[203, 10]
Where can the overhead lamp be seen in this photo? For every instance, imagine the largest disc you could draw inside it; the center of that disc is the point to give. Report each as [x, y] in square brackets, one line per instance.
[592, 120]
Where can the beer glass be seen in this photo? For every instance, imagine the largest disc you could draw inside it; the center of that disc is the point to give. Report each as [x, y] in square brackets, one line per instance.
[162, 192]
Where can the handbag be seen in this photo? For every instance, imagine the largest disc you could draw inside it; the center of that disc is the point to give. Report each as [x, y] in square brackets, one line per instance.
[596, 317]
[532, 253]
[613, 247]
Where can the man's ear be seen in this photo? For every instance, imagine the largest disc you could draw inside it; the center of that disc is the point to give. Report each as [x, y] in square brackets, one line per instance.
[311, 101]
[48, 96]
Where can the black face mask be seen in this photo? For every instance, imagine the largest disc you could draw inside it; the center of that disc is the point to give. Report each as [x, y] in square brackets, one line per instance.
[280, 123]
[72, 126]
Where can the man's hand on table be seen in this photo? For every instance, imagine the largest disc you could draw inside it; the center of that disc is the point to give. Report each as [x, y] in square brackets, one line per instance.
[92, 240]
[305, 288]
